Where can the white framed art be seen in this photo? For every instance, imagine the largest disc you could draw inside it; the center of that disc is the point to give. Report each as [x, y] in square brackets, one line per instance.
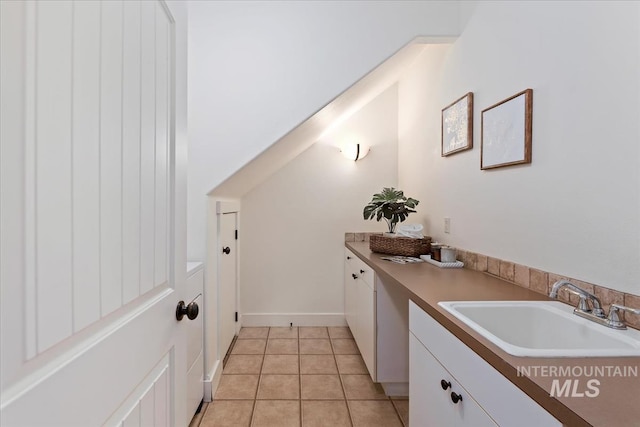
[506, 132]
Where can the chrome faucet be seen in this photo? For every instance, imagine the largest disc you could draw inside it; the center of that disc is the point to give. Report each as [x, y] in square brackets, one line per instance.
[594, 312]
[583, 307]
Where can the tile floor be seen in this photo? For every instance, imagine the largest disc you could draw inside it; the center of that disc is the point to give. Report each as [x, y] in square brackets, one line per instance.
[306, 376]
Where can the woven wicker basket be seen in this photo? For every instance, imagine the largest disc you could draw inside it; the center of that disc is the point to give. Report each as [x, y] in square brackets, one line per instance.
[404, 246]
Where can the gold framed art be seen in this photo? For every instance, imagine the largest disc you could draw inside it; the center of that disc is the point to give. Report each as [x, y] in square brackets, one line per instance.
[457, 126]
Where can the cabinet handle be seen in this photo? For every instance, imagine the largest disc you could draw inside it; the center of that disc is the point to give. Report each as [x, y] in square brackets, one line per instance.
[445, 384]
[348, 257]
[361, 271]
[455, 397]
[354, 276]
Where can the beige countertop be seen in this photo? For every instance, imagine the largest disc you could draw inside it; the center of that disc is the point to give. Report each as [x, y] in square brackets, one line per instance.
[618, 401]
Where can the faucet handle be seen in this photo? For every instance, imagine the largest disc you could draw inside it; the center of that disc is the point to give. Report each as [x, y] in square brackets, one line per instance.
[582, 304]
[614, 319]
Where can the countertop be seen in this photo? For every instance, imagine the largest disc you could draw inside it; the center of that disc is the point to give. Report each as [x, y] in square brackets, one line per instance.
[618, 401]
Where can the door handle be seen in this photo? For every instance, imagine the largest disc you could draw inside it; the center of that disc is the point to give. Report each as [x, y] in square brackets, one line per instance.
[226, 250]
[191, 310]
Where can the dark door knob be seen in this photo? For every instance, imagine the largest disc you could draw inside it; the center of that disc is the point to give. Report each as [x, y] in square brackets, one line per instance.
[191, 310]
[445, 384]
[455, 397]
[354, 276]
[361, 271]
[226, 250]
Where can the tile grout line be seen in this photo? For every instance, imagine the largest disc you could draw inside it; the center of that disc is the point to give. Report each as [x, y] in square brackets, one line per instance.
[344, 391]
[393, 403]
[255, 396]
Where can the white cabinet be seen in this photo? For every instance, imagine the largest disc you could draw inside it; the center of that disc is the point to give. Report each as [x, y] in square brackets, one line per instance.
[392, 332]
[360, 307]
[377, 314]
[350, 293]
[366, 318]
[434, 405]
[488, 398]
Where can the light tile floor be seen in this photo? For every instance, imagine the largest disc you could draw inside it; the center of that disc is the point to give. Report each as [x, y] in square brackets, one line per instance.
[306, 376]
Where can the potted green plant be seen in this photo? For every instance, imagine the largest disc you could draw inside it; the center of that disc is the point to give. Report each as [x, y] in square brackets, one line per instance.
[390, 205]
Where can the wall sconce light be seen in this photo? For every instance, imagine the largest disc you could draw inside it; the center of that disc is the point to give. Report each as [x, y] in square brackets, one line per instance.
[355, 151]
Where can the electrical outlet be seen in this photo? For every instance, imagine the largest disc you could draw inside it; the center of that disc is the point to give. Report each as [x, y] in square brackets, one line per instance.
[447, 225]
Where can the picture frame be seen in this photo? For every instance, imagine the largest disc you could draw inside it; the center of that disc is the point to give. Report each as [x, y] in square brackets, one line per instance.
[457, 126]
[506, 129]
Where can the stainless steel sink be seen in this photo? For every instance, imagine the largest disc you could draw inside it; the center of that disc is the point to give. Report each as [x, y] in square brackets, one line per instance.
[543, 329]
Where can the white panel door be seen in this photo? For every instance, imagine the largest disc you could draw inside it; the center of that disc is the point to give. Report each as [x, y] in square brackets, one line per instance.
[92, 260]
[227, 296]
[227, 300]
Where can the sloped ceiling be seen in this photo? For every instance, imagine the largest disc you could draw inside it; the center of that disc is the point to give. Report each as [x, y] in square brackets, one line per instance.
[258, 70]
[308, 132]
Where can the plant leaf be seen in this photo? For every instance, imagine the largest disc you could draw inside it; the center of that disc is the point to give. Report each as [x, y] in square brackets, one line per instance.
[390, 204]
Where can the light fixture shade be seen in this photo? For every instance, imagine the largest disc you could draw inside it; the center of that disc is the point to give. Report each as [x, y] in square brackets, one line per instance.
[355, 151]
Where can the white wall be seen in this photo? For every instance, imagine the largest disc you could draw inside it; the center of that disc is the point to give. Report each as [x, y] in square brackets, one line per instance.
[576, 209]
[292, 225]
[258, 69]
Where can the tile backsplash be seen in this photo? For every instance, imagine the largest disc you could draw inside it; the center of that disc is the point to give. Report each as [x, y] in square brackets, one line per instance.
[534, 279]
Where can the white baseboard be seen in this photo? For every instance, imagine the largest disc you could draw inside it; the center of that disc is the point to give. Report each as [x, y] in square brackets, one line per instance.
[212, 380]
[396, 389]
[298, 319]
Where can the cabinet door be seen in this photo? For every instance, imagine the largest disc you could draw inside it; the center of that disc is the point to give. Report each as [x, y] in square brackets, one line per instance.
[350, 297]
[367, 326]
[392, 334]
[430, 404]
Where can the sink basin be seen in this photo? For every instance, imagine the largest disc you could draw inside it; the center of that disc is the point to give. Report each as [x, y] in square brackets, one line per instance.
[543, 329]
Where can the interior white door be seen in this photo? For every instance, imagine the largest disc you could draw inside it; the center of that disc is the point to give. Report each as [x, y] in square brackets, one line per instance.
[92, 196]
[195, 338]
[227, 300]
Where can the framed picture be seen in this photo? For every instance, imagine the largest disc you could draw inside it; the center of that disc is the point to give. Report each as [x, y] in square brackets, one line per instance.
[457, 125]
[506, 132]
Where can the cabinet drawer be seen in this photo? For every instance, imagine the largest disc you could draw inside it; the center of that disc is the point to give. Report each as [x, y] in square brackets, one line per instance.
[506, 403]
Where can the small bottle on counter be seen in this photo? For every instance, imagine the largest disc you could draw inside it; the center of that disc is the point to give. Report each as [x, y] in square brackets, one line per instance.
[435, 251]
